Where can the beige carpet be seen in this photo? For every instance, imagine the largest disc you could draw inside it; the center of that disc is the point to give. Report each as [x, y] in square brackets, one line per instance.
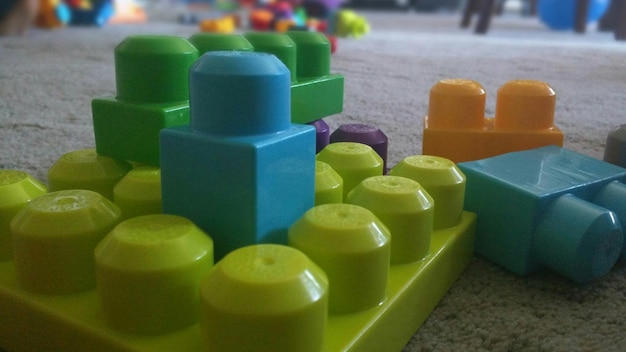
[48, 79]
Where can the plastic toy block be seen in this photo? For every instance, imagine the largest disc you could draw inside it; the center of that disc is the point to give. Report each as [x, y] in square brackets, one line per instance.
[443, 181]
[457, 129]
[265, 298]
[315, 93]
[139, 192]
[249, 173]
[17, 188]
[152, 93]
[54, 237]
[366, 134]
[406, 209]
[205, 42]
[354, 162]
[328, 184]
[615, 149]
[322, 134]
[78, 323]
[85, 169]
[353, 247]
[548, 207]
[148, 271]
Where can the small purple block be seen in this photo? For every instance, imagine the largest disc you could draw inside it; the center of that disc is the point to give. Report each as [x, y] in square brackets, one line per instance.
[365, 134]
[322, 134]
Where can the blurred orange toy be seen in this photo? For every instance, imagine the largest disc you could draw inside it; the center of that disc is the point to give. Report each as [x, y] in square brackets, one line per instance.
[52, 14]
[226, 24]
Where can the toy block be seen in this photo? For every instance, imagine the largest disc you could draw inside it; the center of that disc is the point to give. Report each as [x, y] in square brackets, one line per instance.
[457, 129]
[328, 184]
[152, 93]
[85, 169]
[54, 237]
[366, 134]
[148, 271]
[205, 42]
[615, 149]
[139, 192]
[354, 162]
[322, 136]
[265, 298]
[315, 92]
[406, 209]
[136, 263]
[548, 207]
[249, 173]
[17, 188]
[353, 247]
[443, 181]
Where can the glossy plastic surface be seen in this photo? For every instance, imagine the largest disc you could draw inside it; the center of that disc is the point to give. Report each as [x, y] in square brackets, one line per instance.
[17, 188]
[86, 169]
[76, 323]
[152, 93]
[315, 92]
[456, 127]
[366, 134]
[615, 150]
[249, 173]
[139, 192]
[548, 207]
[328, 184]
[353, 161]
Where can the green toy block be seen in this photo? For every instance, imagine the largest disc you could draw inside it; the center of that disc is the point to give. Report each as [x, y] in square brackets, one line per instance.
[152, 93]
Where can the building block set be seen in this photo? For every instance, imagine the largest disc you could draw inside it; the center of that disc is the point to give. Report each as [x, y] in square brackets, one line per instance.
[218, 213]
[219, 227]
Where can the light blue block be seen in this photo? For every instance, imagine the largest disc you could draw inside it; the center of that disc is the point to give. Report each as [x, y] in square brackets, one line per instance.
[548, 207]
[241, 170]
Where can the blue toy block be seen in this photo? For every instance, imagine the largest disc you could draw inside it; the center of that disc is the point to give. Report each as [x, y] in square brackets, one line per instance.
[241, 170]
[548, 207]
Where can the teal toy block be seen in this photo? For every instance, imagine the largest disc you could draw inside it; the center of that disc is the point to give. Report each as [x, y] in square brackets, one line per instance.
[152, 94]
[241, 170]
[315, 92]
[548, 207]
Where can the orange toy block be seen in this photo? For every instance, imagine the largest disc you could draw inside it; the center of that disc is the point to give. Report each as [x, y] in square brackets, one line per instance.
[456, 127]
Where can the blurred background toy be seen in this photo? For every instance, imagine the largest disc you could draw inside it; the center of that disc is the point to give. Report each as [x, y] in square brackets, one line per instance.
[17, 15]
[52, 14]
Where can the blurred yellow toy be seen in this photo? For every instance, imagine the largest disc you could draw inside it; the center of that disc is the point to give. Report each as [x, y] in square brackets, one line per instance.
[349, 23]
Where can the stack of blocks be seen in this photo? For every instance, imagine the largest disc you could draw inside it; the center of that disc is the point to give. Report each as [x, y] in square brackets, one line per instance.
[241, 187]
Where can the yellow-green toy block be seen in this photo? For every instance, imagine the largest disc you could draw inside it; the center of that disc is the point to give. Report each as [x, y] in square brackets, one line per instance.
[32, 322]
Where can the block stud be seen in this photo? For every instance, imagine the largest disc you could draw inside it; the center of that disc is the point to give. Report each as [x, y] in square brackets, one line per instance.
[328, 184]
[264, 298]
[153, 68]
[235, 94]
[353, 161]
[578, 239]
[353, 247]
[206, 42]
[525, 105]
[456, 104]
[85, 169]
[139, 192]
[54, 237]
[362, 133]
[148, 271]
[17, 188]
[405, 208]
[443, 181]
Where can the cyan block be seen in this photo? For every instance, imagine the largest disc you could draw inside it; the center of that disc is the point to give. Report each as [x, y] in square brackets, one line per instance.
[241, 170]
[548, 207]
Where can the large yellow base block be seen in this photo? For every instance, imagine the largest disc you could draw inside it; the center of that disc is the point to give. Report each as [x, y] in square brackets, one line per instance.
[31, 322]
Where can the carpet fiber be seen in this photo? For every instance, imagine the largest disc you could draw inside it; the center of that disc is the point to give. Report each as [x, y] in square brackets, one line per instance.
[48, 78]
